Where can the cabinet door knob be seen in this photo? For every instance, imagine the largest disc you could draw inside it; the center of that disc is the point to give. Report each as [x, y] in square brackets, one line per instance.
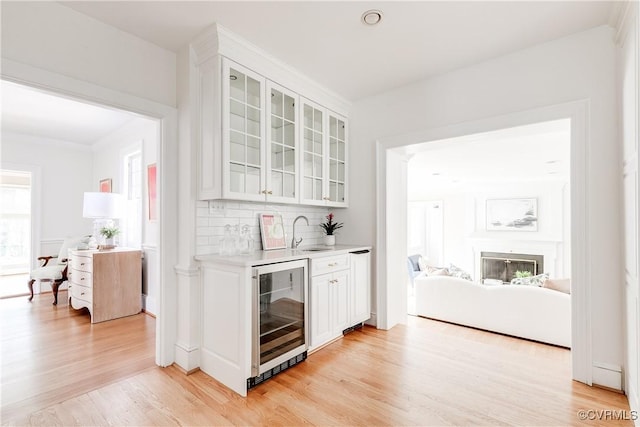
[269, 192]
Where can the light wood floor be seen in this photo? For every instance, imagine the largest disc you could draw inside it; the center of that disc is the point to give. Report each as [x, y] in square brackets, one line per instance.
[425, 373]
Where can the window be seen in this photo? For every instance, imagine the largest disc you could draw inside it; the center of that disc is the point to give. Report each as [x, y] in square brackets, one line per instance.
[15, 221]
[132, 221]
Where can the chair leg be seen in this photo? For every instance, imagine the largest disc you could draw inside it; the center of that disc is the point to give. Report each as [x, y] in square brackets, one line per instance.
[54, 287]
[30, 284]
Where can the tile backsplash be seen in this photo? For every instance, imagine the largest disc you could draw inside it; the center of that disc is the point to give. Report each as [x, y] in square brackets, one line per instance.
[212, 216]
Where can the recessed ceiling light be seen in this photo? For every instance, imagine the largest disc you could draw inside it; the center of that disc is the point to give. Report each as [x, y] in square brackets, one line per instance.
[551, 162]
[435, 173]
[372, 17]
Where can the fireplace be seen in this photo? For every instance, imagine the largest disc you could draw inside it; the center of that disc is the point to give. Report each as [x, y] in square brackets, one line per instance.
[503, 266]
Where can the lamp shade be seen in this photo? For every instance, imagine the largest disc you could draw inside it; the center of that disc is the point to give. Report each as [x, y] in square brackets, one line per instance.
[102, 205]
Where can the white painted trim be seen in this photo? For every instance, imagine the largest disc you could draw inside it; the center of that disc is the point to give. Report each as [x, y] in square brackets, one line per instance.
[44, 141]
[188, 358]
[217, 39]
[578, 112]
[634, 400]
[51, 241]
[72, 88]
[607, 375]
[187, 271]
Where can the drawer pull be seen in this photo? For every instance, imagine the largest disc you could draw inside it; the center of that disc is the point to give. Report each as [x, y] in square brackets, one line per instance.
[333, 264]
[81, 293]
[82, 278]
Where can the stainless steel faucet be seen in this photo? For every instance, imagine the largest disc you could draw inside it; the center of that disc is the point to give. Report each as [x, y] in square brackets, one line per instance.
[295, 242]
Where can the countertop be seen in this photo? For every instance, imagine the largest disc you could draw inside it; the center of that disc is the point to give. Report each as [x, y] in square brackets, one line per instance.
[281, 255]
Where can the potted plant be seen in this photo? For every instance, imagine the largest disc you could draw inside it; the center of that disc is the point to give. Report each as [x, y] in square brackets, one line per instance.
[522, 274]
[329, 228]
[109, 232]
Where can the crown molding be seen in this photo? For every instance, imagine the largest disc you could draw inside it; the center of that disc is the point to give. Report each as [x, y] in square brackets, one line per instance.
[217, 40]
[622, 14]
[24, 138]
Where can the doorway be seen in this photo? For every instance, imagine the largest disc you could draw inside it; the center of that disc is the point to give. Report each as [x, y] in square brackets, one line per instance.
[392, 163]
[15, 231]
[165, 142]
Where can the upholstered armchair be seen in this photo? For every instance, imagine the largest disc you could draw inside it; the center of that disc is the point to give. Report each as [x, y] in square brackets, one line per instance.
[53, 268]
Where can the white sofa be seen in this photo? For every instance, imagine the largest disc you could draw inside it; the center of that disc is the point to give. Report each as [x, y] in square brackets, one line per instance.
[530, 312]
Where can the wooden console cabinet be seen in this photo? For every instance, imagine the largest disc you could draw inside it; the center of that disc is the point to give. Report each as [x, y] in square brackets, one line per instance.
[108, 283]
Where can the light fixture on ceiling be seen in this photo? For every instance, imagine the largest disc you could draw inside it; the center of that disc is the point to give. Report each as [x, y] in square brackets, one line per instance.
[371, 17]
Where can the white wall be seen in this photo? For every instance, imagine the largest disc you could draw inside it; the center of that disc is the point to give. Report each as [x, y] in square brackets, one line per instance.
[108, 162]
[65, 174]
[465, 221]
[629, 74]
[53, 37]
[578, 67]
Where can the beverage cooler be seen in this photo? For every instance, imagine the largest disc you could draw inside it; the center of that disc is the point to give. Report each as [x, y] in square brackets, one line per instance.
[280, 318]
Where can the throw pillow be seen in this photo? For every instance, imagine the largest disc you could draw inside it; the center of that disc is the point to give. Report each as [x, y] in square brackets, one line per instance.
[433, 271]
[422, 264]
[530, 281]
[562, 285]
[459, 273]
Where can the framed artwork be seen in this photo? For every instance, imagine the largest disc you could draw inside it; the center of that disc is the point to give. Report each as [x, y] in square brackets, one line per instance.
[152, 191]
[105, 185]
[272, 232]
[512, 215]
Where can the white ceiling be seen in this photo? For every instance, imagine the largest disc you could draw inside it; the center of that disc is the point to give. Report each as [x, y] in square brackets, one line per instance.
[327, 42]
[324, 40]
[538, 152]
[31, 112]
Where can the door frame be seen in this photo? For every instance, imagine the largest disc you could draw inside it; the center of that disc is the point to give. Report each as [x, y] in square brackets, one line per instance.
[391, 149]
[68, 87]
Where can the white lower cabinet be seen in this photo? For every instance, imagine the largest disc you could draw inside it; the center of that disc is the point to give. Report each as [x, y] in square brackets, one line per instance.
[360, 287]
[340, 295]
[329, 307]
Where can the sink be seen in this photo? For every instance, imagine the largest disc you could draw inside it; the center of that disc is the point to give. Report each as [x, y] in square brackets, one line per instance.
[314, 249]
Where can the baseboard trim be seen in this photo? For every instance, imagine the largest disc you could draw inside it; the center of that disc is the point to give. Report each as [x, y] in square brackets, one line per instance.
[634, 400]
[187, 358]
[607, 376]
[181, 369]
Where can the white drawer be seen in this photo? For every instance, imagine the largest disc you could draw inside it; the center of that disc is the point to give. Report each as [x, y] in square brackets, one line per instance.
[82, 292]
[81, 277]
[81, 263]
[329, 264]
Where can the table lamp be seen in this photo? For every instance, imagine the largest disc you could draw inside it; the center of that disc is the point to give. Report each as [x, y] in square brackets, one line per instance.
[103, 208]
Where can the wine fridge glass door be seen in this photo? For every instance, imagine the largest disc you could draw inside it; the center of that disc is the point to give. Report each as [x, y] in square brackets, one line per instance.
[280, 315]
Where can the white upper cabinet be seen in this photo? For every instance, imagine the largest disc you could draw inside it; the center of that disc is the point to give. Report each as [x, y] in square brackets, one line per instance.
[323, 156]
[243, 140]
[256, 140]
[282, 181]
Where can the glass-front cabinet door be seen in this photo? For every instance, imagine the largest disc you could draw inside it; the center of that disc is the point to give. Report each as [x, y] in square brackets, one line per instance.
[337, 161]
[282, 136]
[313, 154]
[243, 133]
[324, 156]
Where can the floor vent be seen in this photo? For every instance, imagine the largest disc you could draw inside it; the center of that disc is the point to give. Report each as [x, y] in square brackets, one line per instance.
[252, 382]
